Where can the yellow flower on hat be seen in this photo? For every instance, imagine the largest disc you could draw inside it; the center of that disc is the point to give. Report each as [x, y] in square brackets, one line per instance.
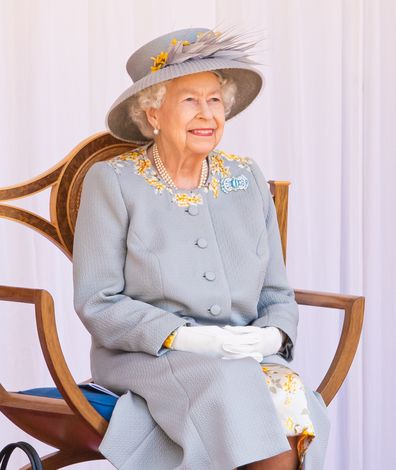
[161, 58]
[175, 41]
[159, 61]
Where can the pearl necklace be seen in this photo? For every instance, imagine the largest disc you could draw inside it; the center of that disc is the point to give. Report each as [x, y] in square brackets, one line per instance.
[165, 175]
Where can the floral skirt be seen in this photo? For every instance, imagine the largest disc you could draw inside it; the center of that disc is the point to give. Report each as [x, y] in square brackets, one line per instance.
[287, 391]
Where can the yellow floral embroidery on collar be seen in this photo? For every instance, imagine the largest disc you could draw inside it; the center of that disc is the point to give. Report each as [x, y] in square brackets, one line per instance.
[142, 166]
[214, 186]
[117, 162]
[217, 167]
[217, 171]
[243, 162]
[153, 181]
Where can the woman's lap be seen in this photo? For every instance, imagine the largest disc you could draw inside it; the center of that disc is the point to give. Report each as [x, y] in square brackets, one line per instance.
[192, 395]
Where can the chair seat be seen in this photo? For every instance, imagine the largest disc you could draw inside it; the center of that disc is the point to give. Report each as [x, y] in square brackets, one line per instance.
[102, 402]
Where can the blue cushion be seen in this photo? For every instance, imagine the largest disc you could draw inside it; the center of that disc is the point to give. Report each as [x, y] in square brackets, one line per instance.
[102, 402]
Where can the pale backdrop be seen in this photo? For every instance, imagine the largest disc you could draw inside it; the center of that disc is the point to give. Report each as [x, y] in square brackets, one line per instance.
[325, 122]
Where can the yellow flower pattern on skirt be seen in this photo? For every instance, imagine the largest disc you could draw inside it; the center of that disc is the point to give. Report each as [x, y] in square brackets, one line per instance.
[287, 391]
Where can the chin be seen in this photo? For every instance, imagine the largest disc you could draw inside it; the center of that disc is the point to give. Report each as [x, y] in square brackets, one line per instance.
[203, 147]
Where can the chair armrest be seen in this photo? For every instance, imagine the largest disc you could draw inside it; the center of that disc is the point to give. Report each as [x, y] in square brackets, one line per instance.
[52, 351]
[353, 307]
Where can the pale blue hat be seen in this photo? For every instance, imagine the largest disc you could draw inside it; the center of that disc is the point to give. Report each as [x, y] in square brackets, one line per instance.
[180, 53]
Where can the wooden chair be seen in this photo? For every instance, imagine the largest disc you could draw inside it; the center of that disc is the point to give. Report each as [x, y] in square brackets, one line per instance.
[71, 424]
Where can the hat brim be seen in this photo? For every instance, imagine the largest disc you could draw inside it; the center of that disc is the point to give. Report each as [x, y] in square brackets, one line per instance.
[249, 82]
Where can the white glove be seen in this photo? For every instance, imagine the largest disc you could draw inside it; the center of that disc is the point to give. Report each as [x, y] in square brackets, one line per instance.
[271, 339]
[212, 340]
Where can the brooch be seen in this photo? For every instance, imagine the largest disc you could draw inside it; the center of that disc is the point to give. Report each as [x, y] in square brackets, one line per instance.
[234, 183]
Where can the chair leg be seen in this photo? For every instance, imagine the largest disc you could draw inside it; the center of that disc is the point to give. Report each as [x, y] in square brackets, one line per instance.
[61, 459]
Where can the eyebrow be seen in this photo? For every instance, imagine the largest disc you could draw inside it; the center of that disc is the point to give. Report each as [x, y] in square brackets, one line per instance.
[191, 90]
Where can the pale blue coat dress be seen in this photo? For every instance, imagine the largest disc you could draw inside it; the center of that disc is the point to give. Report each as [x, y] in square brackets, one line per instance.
[148, 260]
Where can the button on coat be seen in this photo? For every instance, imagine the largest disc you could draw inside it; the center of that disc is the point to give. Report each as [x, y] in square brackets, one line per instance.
[215, 309]
[202, 242]
[210, 275]
[193, 210]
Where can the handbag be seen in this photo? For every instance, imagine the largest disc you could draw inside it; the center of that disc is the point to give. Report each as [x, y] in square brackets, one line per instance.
[29, 450]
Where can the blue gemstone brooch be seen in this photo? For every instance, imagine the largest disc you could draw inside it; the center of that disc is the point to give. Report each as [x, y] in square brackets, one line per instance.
[234, 183]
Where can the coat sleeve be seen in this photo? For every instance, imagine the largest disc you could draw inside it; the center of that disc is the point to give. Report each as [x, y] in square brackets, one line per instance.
[277, 305]
[115, 320]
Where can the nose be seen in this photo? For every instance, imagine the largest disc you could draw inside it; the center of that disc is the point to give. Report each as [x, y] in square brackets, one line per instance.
[204, 110]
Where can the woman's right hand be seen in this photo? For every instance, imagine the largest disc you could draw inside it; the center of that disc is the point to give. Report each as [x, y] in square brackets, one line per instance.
[211, 339]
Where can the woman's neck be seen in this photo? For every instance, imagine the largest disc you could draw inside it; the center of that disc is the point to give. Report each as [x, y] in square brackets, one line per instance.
[184, 169]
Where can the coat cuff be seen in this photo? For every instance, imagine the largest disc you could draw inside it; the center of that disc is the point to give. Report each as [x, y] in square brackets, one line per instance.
[288, 328]
[164, 333]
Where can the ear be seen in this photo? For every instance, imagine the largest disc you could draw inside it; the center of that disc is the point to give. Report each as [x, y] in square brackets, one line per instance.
[152, 116]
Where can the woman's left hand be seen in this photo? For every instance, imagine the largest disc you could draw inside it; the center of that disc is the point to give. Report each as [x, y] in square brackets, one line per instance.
[271, 339]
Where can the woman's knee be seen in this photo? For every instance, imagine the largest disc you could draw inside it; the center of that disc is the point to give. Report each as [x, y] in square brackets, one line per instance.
[285, 461]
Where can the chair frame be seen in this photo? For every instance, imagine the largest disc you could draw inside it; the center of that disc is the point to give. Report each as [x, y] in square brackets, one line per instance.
[71, 424]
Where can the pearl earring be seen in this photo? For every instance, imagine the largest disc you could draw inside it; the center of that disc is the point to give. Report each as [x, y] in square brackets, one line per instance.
[156, 131]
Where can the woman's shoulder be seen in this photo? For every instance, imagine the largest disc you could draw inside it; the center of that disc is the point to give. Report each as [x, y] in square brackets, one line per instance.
[232, 158]
[231, 165]
[136, 159]
[234, 161]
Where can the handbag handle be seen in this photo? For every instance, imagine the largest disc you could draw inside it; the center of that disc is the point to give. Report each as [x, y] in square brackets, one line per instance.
[29, 450]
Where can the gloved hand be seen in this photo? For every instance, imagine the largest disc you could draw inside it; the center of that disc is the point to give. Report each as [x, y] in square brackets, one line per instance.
[213, 340]
[271, 339]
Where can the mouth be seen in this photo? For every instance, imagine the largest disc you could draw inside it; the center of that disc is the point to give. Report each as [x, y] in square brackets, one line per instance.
[202, 132]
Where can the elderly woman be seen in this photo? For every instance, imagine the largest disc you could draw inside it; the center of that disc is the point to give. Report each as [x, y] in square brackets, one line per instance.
[179, 276]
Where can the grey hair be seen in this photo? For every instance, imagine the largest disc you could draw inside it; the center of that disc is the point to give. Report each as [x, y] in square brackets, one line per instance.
[153, 97]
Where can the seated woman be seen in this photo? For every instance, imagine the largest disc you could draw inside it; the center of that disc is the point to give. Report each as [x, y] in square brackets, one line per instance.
[179, 276]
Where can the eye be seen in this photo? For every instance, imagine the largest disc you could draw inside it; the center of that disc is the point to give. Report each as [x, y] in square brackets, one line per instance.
[189, 98]
[215, 99]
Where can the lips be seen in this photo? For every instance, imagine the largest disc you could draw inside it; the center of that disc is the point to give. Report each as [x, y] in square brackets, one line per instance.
[202, 132]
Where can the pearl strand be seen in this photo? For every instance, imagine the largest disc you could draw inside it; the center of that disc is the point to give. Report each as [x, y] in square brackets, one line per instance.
[165, 175]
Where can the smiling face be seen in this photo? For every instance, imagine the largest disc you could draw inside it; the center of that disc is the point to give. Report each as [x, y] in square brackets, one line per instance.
[191, 118]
